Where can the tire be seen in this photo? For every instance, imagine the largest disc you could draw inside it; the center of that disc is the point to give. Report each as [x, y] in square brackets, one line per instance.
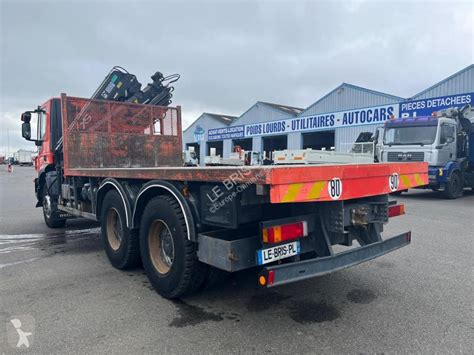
[169, 258]
[121, 244]
[454, 188]
[50, 210]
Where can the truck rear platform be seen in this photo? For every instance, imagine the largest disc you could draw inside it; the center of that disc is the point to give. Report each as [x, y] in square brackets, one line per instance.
[295, 183]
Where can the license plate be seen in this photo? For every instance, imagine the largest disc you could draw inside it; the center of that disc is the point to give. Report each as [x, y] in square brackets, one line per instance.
[265, 256]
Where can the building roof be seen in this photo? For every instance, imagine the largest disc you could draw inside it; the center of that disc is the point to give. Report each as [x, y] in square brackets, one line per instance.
[469, 67]
[375, 92]
[357, 88]
[226, 119]
[291, 110]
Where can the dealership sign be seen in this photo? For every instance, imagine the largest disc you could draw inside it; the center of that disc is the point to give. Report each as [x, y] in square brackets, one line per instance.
[317, 122]
[340, 119]
[225, 133]
[426, 107]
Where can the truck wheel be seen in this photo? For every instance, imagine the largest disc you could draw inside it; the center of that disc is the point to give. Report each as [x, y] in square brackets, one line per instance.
[169, 258]
[454, 188]
[50, 210]
[121, 244]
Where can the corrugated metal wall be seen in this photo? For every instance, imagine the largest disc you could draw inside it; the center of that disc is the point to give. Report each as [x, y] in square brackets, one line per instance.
[257, 144]
[257, 113]
[347, 97]
[459, 83]
[227, 147]
[206, 122]
[294, 140]
[345, 137]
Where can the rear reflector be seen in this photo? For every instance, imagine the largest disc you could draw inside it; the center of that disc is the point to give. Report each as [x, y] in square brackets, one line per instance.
[271, 277]
[277, 234]
[266, 279]
[396, 210]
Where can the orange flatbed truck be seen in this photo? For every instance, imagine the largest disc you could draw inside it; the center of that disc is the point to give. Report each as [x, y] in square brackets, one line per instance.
[121, 164]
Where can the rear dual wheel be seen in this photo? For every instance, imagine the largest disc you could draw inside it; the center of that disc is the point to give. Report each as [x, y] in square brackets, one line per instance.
[121, 244]
[169, 257]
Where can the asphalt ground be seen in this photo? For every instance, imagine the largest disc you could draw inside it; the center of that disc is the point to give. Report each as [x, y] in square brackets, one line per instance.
[59, 283]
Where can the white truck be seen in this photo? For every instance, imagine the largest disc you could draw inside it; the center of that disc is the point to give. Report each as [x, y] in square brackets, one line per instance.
[24, 157]
[444, 140]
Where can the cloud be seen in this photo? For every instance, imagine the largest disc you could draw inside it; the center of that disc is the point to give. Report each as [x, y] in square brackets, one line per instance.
[230, 54]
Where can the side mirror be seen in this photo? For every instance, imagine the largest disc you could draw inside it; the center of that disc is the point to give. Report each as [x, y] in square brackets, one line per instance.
[26, 130]
[26, 126]
[26, 117]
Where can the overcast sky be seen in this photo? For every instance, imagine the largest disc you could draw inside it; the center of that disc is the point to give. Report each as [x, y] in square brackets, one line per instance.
[229, 54]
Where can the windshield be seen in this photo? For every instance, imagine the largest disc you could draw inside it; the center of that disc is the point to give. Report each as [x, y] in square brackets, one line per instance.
[410, 135]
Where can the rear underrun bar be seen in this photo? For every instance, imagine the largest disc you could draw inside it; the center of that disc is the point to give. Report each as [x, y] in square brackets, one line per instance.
[297, 271]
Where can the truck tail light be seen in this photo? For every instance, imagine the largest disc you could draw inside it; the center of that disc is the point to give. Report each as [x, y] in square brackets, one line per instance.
[268, 279]
[277, 234]
[271, 277]
[396, 210]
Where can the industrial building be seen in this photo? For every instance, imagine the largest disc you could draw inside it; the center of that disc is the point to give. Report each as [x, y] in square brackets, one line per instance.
[332, 122]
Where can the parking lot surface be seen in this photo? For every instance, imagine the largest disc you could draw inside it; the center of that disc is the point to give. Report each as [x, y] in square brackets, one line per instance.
[60, 283]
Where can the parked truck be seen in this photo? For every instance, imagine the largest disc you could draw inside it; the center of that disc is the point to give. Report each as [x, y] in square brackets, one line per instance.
[444, 140]
[25, 157]
[121, 164]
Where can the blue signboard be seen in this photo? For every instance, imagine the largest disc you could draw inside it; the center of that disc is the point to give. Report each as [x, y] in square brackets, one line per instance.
[199, 134]
[362, 116]
[346, 118]
[426, 107]
[225, 133]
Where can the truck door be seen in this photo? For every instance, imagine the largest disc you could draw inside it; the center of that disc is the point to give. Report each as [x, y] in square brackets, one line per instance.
[378, 143]
[45, 156]
[447, 143]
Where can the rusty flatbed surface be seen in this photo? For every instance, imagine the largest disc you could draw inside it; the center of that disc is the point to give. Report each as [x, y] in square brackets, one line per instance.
[105, 139]
[295, 183]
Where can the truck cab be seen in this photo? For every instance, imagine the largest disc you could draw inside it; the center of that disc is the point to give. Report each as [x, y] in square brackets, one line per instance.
[441, 140]
[43, 126]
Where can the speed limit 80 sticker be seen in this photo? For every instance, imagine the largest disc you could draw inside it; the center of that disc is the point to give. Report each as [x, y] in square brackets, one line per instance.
[335, 188]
